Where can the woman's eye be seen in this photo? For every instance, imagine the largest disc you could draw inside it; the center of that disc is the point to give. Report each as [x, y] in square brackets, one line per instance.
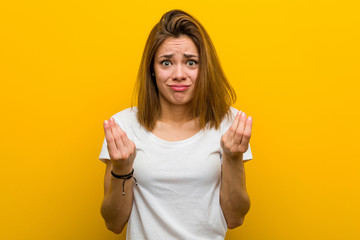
[191, 63]
[166, 63]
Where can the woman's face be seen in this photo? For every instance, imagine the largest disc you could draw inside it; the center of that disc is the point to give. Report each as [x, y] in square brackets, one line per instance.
[176, 69]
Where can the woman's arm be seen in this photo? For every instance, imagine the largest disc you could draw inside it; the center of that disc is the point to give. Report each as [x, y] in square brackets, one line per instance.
[234, 199]
[116, 208]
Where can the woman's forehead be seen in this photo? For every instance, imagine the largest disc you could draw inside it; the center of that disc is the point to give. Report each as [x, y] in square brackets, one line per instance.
[174, 46]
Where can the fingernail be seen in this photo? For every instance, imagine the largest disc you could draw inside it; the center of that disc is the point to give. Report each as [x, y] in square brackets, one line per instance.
[243, 114]
[106, 123]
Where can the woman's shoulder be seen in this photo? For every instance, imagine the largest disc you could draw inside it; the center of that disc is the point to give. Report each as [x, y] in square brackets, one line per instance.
[233, 111]
[126, 113]
[126, 116]
[230, 116]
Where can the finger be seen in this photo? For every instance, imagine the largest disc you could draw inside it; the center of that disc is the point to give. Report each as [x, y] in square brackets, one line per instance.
[125, 140]
[132, 146]
[129, 146]
[232, 130]
[247, 132]
[240, 129]
[123, 136]
[110, 140]
[117, 135]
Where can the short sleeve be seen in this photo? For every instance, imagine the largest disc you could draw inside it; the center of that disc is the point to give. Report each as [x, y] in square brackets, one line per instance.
[248, 154]
[104, 153]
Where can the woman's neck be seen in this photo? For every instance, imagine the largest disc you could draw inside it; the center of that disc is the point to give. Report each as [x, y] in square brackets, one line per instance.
[176, 123]
[177, 114]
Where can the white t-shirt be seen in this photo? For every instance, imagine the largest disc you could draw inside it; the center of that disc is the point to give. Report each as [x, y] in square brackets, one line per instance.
[177, 196]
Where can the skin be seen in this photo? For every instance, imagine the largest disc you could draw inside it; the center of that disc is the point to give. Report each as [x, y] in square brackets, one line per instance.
[176, 63]
[234, 199]
[116, 208]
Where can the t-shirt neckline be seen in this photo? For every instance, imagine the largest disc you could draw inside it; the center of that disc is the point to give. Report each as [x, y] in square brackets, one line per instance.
[175, 143]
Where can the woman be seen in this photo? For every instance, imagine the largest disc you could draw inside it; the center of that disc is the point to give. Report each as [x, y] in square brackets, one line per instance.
[174, 163]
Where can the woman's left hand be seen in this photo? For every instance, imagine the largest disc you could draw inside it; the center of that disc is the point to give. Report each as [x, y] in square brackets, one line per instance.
[236, 139]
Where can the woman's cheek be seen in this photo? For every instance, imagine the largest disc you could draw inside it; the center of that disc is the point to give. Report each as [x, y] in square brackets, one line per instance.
[164, 75]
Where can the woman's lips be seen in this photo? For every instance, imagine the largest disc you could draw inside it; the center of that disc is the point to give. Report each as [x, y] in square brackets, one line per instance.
[179, 87]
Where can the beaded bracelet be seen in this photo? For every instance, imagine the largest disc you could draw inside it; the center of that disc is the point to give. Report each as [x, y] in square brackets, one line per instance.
[125, 177]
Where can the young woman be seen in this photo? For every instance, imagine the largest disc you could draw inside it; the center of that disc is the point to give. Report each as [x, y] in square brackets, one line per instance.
[175, 163]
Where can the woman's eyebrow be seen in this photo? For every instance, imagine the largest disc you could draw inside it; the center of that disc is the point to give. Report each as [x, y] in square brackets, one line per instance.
[167, 56]
[171, 55]
[189, 55]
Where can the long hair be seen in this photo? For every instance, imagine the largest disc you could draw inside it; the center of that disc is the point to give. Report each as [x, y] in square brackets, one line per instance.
[213, 94]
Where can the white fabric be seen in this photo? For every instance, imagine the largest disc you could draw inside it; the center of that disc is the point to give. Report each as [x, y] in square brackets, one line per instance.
[177, 196]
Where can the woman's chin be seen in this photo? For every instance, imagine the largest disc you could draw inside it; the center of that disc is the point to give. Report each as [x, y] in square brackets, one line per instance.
[181, 101]
[177, 100]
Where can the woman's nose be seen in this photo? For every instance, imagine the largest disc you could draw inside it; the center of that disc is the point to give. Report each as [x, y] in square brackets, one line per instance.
[179, 73]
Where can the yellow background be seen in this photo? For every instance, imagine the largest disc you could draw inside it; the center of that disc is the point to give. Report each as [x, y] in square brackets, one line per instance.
[66, 66]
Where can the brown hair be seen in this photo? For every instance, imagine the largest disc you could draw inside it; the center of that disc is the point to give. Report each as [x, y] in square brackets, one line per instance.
[213, 94]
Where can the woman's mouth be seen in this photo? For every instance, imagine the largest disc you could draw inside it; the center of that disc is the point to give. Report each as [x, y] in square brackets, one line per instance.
[179, 87]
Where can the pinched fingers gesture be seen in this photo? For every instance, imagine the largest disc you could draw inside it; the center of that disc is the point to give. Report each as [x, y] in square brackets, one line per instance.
[121, 149]
[236, 139]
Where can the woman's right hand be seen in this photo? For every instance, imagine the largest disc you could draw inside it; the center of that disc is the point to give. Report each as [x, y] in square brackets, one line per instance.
[121, 149]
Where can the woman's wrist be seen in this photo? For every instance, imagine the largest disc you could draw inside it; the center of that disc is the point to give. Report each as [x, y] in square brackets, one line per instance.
[122, 170]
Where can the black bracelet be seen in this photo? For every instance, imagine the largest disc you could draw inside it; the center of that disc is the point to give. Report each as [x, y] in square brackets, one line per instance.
[122, 176]
[125, 177]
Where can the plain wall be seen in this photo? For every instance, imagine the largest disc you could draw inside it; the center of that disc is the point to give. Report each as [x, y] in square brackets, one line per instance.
[66, 66]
